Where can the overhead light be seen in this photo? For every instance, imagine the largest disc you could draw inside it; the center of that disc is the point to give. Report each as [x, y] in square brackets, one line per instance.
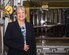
[45, 6]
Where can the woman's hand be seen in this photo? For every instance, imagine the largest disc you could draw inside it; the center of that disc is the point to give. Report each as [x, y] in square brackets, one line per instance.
[26, 47]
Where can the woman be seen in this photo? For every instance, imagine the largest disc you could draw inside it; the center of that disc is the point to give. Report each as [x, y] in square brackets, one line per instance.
[19, 37]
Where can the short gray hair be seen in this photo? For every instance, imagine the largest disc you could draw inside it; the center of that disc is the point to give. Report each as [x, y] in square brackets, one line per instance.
[20, 7]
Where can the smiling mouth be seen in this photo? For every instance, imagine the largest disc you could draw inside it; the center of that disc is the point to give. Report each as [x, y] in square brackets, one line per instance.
[21, 16]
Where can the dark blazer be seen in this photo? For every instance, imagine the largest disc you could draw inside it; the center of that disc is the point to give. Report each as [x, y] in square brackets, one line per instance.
[14, 40]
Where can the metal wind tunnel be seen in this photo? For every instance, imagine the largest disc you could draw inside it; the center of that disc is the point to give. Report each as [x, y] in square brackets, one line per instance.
[50, 30]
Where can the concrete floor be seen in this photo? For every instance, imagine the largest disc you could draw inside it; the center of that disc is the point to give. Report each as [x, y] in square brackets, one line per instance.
[42, 54]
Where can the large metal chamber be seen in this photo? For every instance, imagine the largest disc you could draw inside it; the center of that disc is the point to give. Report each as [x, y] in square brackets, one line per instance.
[50, 31]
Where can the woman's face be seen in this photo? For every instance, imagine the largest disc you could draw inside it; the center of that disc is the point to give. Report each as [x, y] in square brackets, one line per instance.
[21, 14]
